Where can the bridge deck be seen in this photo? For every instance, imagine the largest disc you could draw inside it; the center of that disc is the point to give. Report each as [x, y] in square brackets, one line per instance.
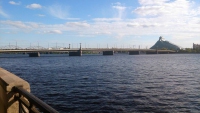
[77, 49]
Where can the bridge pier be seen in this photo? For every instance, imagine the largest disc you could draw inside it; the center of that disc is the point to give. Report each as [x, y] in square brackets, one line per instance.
[134, 52]
[108, 52]
[78, 53]
[34, 54]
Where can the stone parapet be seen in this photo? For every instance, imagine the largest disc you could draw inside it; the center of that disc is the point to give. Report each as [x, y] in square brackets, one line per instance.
[7, 82]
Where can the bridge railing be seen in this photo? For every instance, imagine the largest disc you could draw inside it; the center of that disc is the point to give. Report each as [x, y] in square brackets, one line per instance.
[15, 96]
[28, 103]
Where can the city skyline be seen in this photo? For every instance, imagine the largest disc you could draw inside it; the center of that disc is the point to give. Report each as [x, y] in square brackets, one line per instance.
[113, 23]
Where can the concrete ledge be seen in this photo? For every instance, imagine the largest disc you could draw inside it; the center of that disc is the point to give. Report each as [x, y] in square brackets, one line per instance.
[7, 81]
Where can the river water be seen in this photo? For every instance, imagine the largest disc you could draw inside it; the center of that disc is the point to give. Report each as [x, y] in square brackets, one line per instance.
[121, 83]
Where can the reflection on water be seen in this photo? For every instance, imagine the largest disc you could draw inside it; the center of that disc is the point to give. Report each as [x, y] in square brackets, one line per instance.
[119, 83]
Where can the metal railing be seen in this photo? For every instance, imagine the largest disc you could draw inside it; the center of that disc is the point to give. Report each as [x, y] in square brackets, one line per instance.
[28, 103]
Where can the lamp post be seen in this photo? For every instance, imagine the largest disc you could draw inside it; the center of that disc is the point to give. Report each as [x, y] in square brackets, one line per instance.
[38, 45]
[16, 45]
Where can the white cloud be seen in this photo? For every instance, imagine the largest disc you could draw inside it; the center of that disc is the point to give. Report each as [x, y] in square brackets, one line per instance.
[144, 25]
[34, 6]
[175, 18]
[14, 3]
[152, 2]
[116, 29]
[57, 11]
[133, 24]
[121, 9]
[60, 12]
[150, 10]
[102, 33]
[2, 13]
[164, 8]
[118, 15]
[53, 32]
[77, 24]
[33, 25]
[107, 19]
[41, 15]
[17, 24]
[72, 19]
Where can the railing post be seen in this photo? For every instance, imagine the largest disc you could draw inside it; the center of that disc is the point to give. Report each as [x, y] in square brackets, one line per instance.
[20, 107]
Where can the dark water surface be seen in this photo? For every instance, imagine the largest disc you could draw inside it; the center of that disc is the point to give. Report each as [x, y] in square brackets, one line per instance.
[119, 83]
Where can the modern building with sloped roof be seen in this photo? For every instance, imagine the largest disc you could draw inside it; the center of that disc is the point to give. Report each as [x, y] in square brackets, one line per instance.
[162, 44]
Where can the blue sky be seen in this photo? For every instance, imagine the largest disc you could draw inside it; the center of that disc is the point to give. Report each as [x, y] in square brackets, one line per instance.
[98, 23]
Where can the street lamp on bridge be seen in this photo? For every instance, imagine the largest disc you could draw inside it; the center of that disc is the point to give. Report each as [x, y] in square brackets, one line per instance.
[16, 45]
